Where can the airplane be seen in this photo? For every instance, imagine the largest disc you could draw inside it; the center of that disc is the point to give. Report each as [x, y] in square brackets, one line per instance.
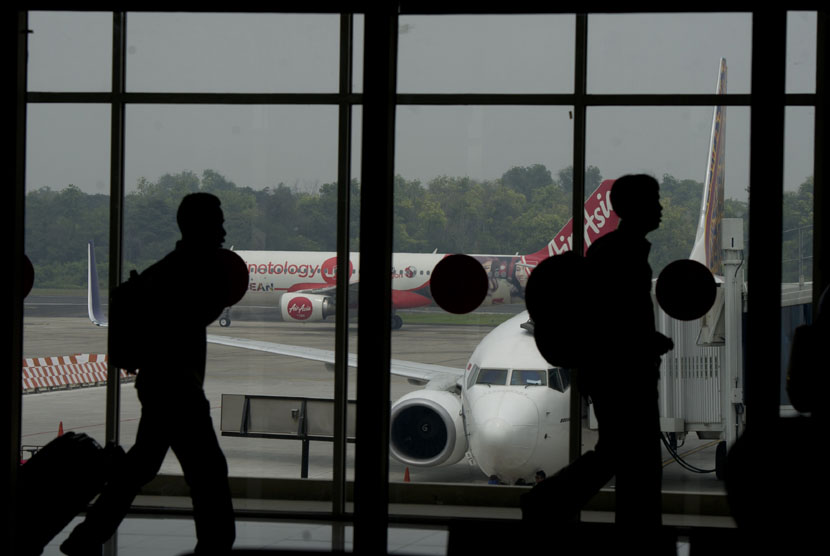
[303, 283]
[508, 410]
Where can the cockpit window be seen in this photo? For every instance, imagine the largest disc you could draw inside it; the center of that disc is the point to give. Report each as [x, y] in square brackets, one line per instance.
[559, 379]
[492, 376]
[474, 370]
[527, 377]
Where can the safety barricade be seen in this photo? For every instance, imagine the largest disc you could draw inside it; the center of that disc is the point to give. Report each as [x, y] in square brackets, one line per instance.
[66, 371]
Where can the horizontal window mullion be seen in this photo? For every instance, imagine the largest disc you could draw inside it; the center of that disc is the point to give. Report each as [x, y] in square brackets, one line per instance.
[196, 98]
[587, 100]
[417, 99]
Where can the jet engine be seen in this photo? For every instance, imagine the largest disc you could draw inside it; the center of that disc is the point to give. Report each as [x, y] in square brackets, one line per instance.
[427, 429]
[304, 307]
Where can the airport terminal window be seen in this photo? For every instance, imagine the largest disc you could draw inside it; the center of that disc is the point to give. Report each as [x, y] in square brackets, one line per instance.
[189, 52]
[67, 207]
[70, 51]
[460, 149]
[801, 52]
[486, 53]
[620, 44]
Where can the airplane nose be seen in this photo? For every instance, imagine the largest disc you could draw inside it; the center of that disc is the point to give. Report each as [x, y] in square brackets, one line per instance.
[506, 433]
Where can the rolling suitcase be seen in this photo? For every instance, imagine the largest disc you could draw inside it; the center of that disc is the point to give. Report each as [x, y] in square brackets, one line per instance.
[57, 483]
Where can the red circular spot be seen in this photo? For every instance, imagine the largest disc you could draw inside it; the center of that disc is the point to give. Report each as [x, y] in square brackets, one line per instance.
[458, 284]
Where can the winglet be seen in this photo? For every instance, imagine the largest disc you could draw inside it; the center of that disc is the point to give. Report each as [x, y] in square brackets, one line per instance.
[706, 249]
[96, 314]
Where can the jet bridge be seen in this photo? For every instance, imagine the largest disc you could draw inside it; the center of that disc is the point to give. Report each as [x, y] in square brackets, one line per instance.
[701, 379]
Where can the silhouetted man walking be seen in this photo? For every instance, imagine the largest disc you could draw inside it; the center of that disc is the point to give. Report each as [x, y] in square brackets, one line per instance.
[175, 413]
[620, 374]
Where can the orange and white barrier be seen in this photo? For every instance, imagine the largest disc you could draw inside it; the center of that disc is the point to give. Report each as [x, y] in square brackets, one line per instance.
[66, 371]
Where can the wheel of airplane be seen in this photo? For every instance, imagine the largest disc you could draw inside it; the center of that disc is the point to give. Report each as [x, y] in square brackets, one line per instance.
[397, 322]
[224, 322]
[686, 289]
[458, 284]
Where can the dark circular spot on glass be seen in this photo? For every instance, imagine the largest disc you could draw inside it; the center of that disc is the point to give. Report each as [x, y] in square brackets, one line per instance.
[458, 284]
[233, 276]
[28, 275]
[686, 290]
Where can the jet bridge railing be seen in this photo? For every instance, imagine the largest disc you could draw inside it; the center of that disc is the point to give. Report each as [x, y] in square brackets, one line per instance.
[283, 418]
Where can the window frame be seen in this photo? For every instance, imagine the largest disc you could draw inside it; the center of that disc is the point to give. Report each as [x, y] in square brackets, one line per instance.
[767, 102]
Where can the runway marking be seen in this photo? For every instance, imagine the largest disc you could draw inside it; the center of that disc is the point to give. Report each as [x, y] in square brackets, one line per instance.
[692, 451]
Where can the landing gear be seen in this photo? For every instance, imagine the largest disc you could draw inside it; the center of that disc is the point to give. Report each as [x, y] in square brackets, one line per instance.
[397, 322]
[225, 318]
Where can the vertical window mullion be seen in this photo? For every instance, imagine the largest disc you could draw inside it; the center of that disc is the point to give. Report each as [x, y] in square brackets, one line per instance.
[119, 32]
[578, 200]
[341, 341]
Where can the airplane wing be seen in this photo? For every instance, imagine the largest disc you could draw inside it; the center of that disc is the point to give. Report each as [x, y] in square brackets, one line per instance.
[436, 376]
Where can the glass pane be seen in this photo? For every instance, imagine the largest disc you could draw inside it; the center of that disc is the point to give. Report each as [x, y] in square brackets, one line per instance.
[253, 146]
[70, 51]
[796, 243]
[486, 54]
[801, 52]
[274, 170]
[492, 182]
[671, 144]
[667, 53]
[67, 206]
[357, 55]
[232, 53]
[481, 142]
[696, 419]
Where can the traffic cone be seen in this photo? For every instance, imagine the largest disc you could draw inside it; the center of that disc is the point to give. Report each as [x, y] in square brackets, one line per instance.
[60, 429]
[406, 475]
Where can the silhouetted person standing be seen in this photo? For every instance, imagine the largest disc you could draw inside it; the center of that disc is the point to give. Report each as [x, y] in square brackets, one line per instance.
[175, 412]
[620, 374]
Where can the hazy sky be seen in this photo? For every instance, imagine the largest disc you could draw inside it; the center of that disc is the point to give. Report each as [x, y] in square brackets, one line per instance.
[262, 146]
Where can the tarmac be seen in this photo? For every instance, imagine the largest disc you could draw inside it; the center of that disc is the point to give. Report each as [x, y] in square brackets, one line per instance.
[59, 326]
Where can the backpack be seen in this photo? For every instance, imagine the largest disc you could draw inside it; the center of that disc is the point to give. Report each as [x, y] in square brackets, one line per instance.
[130, 323]
[558, 297]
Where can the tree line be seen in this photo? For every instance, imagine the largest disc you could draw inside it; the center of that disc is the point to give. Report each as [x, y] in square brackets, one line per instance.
[517, 213]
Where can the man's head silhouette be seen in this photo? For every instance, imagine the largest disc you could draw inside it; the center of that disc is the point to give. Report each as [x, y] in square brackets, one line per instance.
[636, 200]
[201, 220]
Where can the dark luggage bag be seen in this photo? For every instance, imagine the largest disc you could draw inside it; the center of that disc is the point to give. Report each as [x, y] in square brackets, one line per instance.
[56, 484]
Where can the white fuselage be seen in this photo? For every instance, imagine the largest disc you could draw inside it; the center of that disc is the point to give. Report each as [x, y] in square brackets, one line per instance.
[281, 271]
[514, 430]
[272, 273]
